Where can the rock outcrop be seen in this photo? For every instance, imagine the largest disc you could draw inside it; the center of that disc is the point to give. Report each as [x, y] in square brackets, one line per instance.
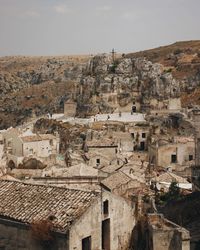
[38, 85]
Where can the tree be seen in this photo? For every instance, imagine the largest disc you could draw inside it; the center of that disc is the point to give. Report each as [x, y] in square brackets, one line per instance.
[174, 191]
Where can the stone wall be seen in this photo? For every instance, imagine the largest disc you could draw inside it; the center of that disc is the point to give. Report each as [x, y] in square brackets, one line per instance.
[70, 109]
[15, 235]
[165, 235]
[122, 221]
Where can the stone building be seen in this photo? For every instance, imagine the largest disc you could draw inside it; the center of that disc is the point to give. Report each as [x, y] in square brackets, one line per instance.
[70, 109]
[101, 152]
[170, 105]
[17, 145]
[76, 219]
[166, 235]
[140, 136]
[79, 176]
[170, 154]
[163, 182]
[121, 184]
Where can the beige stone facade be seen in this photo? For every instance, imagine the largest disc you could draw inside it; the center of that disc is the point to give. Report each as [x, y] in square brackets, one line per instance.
[70, 109]
[169, 154]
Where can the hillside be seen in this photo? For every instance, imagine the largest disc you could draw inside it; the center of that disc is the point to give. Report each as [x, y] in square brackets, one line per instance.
[37, 85]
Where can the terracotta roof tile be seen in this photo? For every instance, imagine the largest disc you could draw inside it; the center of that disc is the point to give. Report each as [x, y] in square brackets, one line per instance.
[116, 180]
[27, 203]
[170, 177]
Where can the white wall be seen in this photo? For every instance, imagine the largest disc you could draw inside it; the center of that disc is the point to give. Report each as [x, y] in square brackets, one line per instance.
[39, 148]
[122, 221]
[105, 155]
[182, 150]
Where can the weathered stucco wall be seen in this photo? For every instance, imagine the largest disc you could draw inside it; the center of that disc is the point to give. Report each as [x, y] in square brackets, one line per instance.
[40, 148]
[165, 235]
[14, 235]
[162, 155]
[181, 150]
[105, 155]
[122, 221]
[70, 109]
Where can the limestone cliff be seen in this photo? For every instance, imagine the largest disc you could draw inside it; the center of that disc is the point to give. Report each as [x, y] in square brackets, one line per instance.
[37, 85]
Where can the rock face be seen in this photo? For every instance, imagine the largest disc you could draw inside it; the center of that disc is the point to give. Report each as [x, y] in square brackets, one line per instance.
[107, 85]
[36, 86]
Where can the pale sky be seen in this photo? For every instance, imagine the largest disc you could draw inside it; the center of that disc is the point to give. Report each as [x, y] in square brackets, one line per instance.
[61, 27]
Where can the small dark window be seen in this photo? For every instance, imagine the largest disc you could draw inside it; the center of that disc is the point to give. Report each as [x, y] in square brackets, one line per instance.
[116, 151]
[86, 243]
[117, 162]
[51, 142]
[134, 109]
[173, 158]
[143, 135]
[142, 145]
[97, 161]
[133, 135]
[105, 207]
[190, 157]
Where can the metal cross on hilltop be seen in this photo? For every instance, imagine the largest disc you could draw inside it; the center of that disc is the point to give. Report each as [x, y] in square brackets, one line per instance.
[113, 52]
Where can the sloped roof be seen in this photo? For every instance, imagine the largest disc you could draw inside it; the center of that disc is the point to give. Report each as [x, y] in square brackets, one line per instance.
[110, 168]
[102, 143]
[80, 170]
[116, 180]
[8, 177]
[170, 177]
[27, 203]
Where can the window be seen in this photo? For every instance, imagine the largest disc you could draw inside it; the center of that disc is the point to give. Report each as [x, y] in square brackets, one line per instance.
[142, 145]
[134, 109]
[133, 135]
[31, 151]
[105, 208]
[51, 142]
[190, 157]
[86, 243]
[173, 158]
[98, 162]
[143, 135]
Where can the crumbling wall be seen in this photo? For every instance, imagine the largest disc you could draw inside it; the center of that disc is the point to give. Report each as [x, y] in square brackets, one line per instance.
[154, 232]
[15, 235]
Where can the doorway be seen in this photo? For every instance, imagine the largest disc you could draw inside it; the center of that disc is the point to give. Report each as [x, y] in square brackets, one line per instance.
[106, 234]
[86, 243]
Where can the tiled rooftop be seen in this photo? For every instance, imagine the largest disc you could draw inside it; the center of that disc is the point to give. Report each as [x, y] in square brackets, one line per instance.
[170, 177]
[116, 180]
[27, 203]
[102, 143]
